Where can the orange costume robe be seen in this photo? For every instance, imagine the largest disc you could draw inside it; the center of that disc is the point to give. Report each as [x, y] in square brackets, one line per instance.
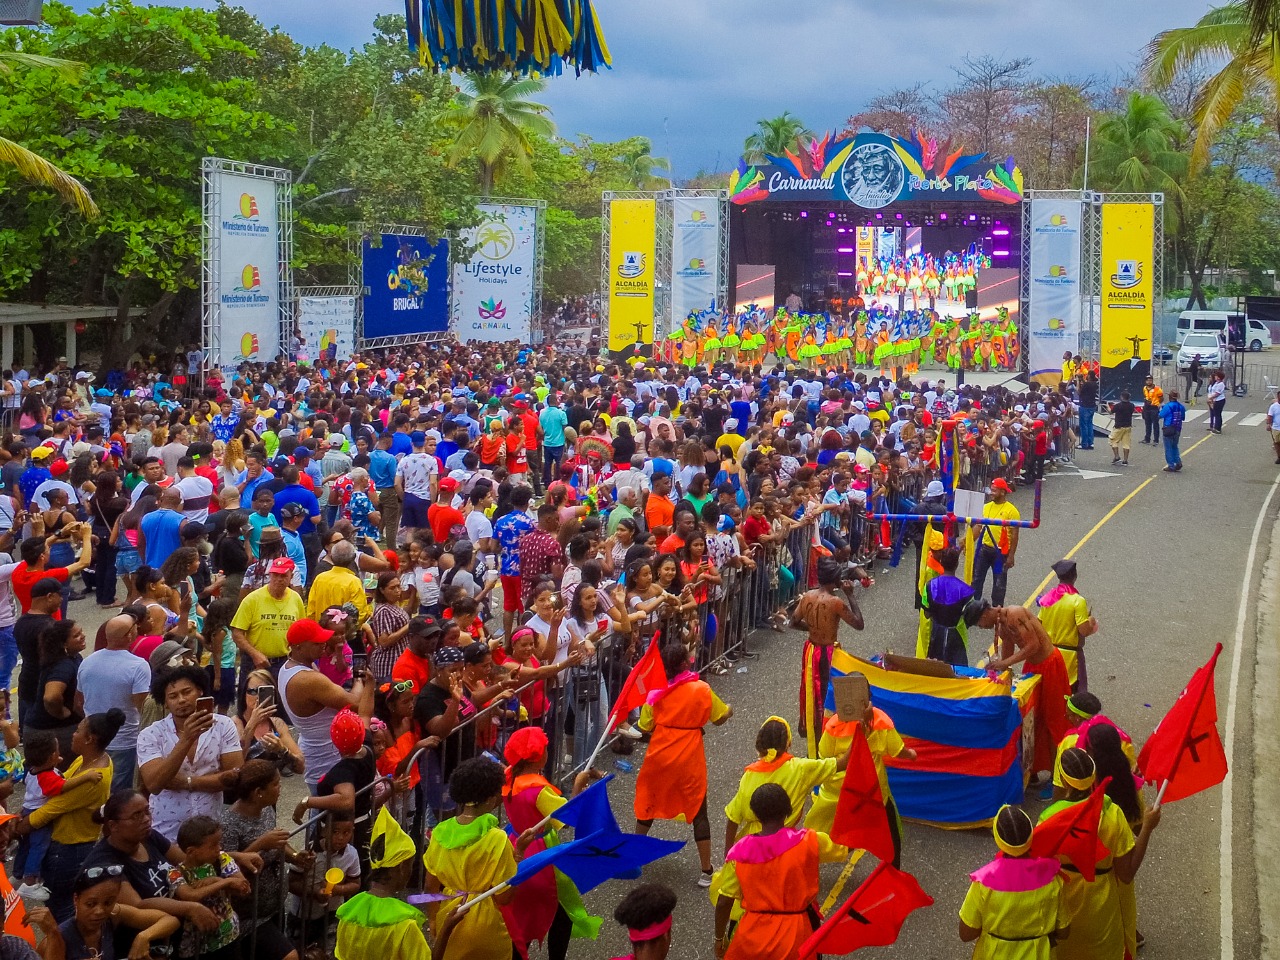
[673, 778]
[775, 877]
[1051, 708]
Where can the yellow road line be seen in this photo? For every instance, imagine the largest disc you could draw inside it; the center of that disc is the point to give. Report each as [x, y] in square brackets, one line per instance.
[1098, 526]
[834, 896]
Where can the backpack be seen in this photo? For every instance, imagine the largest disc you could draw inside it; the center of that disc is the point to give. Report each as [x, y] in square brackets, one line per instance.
[1177, 415]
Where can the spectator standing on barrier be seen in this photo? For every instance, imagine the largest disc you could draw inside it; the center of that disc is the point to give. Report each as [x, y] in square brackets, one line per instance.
[1152, 401]
[1172, 416]
[998, 545]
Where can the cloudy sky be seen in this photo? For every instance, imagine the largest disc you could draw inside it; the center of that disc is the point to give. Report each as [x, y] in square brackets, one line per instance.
[695, 75]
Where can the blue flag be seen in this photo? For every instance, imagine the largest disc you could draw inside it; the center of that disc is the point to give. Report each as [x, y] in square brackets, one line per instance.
[597, 857]
[589, 811]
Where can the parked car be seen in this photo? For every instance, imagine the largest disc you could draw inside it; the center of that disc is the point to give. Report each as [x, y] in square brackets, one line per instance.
[1161, 354]
[1210, 347]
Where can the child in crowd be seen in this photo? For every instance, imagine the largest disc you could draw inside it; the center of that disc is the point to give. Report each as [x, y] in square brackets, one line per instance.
[43, 781]
[336, 662]
[313, 902]
[219, 651]
[466, 614]
[422, 578]
[210, 876]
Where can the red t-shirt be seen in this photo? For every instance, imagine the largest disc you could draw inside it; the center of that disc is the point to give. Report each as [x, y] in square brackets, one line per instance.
[671, 544]
[530, 421]
[24, 578]
[410, 666]
[517, 458]
[442, 517]
[754, 528]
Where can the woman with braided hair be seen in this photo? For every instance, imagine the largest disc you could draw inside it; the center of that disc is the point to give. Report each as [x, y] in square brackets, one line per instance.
[1015, 908]
[1098, 928]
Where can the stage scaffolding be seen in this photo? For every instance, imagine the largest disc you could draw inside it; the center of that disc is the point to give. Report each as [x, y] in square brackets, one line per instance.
[211, 250]
[356, 232]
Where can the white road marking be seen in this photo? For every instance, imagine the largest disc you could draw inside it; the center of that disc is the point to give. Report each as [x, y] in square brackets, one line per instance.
[1227, 415]
[1253, 420]
[1226, 876]
[1196, 414]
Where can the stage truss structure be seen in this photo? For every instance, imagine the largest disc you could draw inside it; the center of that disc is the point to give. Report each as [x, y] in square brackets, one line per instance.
[539, 259]
[211, 250]
[664, 268]
[356, 232]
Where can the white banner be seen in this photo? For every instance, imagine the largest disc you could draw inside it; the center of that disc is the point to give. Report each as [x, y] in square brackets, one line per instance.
[695, 255]
[1053, 320]
[326, 328]
[247, 283]
[493, 291]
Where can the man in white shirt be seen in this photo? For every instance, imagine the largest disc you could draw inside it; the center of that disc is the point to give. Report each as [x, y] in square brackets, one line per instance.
[1273, 424]
[196, 491]
[114, 677]
[416, 482]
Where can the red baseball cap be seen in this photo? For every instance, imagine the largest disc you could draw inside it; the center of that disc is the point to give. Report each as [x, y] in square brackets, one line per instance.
[307, 631]
[281, 565]
[1000, 484]
[448, 485]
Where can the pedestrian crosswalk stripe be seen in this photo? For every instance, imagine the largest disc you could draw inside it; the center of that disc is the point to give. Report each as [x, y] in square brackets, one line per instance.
[1196, 414]
[1253, 420]
[1228, 415]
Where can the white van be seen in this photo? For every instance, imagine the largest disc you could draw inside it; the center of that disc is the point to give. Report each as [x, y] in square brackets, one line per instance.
[1256, 336]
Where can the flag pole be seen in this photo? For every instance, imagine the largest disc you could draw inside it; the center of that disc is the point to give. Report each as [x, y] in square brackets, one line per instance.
[491, 892]
[1160, 794]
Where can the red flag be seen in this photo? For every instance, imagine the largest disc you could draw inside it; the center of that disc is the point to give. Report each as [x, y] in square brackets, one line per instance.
[1185, 751]
[861, 820]
[1073, 833]
[645, 677]
[871, 917]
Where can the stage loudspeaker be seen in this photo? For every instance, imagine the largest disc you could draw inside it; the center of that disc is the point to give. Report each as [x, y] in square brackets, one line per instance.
[971, 299]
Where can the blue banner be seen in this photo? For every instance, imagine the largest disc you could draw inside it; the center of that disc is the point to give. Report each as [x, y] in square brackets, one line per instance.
[407, 284]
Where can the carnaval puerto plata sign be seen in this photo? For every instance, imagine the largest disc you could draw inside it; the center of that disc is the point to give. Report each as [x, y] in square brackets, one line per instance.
[493, 291]
[247, 280]
[873, 170]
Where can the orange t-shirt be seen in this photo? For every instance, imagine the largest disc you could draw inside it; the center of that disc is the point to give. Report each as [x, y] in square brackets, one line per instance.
[659, 512]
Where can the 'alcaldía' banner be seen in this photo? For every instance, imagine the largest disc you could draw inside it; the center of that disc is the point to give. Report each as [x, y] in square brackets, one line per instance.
[1128, 250]
[631, 249]
[1053, 315]
[493, 291]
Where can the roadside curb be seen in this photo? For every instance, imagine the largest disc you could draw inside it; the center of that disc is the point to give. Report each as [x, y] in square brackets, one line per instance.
[1266, 751]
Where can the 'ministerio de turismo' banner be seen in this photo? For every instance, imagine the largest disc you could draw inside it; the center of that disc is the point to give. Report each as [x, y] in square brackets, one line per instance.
[247, 283]
[1053, 315]
[406, 280]
[695, 254]
[493, 291]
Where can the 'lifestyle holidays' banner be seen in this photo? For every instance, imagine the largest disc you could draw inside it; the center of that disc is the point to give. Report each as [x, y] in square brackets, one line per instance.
[493, 291]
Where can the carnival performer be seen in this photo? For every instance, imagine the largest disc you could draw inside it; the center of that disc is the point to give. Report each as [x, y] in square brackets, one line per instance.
[672, 781]
[1023, 639]
[1097, 928]
[794, 337]
[731, 341]
[821, 611]
[809, 350]
[883, 740]
[796, 775]
[943, 602]
[1086, 709]
[1066, 617]
[547, 908]
[861, 342]
[711, 343]
[469, 854]
[1015, 908]
[1107, 745]
[844, 345]
[646, 912]
[882, 348]
[689, 342]
[774, 873]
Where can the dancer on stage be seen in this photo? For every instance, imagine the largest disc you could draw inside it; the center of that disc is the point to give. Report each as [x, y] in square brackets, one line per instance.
[821, 611]
[547, 908]
[1015, 908]
[673, 778]
[774, 873]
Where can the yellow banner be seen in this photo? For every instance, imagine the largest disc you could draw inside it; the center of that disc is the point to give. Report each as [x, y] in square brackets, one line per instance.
[1128, 255]
[865, 248]
[631, 249]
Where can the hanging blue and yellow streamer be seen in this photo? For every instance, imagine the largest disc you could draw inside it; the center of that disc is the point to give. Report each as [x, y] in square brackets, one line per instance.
[507, 36]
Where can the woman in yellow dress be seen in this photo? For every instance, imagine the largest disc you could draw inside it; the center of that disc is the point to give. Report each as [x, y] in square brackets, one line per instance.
[1015, 908]
[469, 854]
[1098, 928]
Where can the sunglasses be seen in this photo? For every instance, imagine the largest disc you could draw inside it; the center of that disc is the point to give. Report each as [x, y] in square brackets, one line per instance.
[93, 873]
[402, 686]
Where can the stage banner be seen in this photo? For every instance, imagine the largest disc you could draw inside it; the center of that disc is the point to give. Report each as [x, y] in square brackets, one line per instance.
[326, 328]
[406, 282]
[1128, 251]
[246, 233]
[695, 255]
[1053, 321]
[493, 291]
[865, 246]
[631, 249]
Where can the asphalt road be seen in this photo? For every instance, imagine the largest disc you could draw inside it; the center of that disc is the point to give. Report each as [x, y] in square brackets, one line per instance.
[1164, 576]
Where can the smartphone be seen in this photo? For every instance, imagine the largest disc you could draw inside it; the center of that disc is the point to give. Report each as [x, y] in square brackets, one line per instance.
[266, 695]
[358, 662]
[205, 705]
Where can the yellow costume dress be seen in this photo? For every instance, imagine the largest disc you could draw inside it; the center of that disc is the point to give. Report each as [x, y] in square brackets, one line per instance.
[1018, 903]
[471, 858]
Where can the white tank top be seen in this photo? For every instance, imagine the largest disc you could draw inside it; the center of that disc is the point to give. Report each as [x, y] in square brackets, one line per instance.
[313, 732]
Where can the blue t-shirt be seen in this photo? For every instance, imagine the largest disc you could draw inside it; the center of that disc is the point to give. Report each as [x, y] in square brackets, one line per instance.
[401, 445]
[382, 469]
[553, 421]
[508, 530]
[251, 487]
[297, 553]
[742, 413]
[1172, 414]
[296, 493]
[163, 533]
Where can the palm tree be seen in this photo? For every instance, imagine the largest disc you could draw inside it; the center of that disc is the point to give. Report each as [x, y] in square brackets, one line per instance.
[1227, 34]
[642, 165]
[1135, 151]
[30, 165]
[773, 137]
[496, 124]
